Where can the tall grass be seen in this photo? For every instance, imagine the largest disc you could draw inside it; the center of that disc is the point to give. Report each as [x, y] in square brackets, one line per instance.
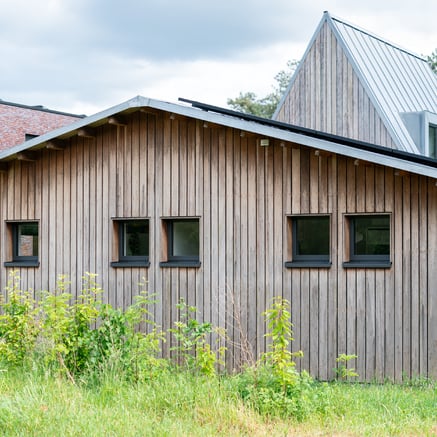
[175, 404]
[179, 403]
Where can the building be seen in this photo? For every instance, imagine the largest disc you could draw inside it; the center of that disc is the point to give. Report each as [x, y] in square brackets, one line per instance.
[227, 210]
[19, 123]
[354, 84]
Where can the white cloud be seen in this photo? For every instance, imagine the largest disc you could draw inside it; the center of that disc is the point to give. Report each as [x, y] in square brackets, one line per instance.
[85, 55]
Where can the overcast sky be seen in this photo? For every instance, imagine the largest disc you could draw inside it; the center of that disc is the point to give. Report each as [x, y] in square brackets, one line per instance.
[83, 56]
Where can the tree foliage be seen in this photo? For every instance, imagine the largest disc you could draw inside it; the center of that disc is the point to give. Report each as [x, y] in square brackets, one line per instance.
[432, 60]
[249, 103]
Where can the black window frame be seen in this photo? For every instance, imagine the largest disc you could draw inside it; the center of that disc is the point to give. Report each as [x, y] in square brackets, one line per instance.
[130, 260]
[367, 260]
[17, 259]
[299, 260]
[173, 260]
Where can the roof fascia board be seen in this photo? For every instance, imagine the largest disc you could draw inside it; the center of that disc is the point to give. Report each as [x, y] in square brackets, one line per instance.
[236, 123]
[364, 155]
[137, 101]
[300, 66]
[362, 78]
[281, 134]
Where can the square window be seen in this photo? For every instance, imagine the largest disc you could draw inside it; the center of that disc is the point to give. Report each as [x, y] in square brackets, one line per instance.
[310, 241]
[25, 244]
[182, 237]
[369, 240]
[133, 243]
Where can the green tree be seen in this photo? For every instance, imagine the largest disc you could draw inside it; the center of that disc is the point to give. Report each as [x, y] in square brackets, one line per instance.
[432, 60]
[249, 103]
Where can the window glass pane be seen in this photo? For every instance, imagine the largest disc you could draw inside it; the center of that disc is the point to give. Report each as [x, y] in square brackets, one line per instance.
[371, 235]
[136, 238]
[186, 238]
[27, 243]
[433, 141]
[312, 236]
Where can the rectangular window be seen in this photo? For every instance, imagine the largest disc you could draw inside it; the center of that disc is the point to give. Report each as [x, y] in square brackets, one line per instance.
[182, 241]
[310, 241]
[432, 142]
[369, 241]
[133, 243]
[25, 244]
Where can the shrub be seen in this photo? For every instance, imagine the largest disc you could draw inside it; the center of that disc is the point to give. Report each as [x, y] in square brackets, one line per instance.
[273, 386]
[82, 338]
[192, 348]
[120, 347]
[19, 325]
[66, 338]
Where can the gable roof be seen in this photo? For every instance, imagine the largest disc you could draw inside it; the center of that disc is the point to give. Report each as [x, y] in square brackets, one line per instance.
[247, 123]
[396, 80]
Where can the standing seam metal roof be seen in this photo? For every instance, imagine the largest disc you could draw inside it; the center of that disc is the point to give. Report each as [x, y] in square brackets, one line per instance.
[396, 80]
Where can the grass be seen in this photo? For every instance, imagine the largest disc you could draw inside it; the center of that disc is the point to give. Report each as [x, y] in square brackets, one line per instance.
[373, 410]
[175, 404]
[181, 404]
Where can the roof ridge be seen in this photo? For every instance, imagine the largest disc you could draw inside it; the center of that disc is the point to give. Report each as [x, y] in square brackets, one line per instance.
[373, 35]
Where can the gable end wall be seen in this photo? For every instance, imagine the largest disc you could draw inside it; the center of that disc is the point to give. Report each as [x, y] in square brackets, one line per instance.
[327, 95]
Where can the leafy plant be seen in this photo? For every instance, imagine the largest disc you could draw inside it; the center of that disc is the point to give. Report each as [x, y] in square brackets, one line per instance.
[55, 316]
[19, 325]
[79, 338]
[121, 347]
[279, 357]
[273, 386]
[342, 370]
[191, 336]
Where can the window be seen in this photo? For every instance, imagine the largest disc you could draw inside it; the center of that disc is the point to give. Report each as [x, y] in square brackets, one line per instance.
[369, 241]
[24, 239]
[310, 241]
[432, 142]
[132, 238]
[182, 238]
[422, 127]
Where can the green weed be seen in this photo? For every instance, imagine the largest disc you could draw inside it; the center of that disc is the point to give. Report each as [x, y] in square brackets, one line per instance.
[192, 346]
[342, 370]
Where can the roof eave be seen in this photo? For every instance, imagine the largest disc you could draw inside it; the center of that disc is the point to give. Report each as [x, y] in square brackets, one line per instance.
[70, 129]
[264, 127]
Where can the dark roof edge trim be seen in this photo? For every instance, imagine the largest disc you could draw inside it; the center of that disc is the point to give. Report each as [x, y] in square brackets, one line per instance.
[356, 144]
[41, 108]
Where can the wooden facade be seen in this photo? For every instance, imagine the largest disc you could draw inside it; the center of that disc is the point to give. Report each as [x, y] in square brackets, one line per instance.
[327, 95]
[156, 165]
[355, 84]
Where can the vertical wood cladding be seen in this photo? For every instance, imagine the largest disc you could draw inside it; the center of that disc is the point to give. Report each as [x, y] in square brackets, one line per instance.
[157, 167]
[328, 96]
